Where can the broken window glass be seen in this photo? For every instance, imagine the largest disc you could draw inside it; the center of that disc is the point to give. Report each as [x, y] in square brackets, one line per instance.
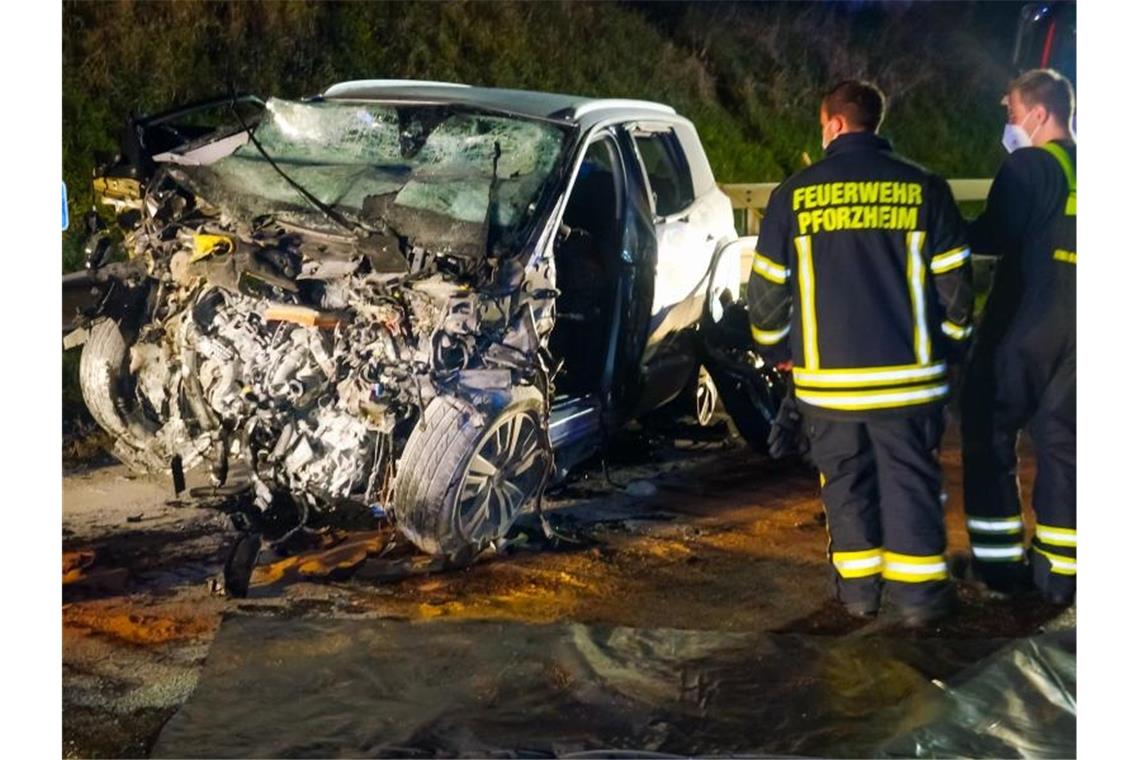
[437, 159]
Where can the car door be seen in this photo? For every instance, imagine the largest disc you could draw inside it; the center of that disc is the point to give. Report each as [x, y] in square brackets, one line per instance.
[684, 249]
[750, 389]
[684, 254]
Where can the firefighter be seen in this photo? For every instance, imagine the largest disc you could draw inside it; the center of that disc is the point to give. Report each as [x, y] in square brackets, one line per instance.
[1022, 371]
[862, 271]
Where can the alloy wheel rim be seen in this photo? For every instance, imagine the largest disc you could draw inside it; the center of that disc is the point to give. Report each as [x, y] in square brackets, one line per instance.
[706, 398]
[501, 478]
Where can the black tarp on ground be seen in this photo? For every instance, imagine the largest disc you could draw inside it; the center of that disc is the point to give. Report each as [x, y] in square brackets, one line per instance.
[334, 687]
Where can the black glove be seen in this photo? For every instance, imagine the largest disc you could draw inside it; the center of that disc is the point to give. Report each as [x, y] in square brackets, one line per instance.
[785, 438]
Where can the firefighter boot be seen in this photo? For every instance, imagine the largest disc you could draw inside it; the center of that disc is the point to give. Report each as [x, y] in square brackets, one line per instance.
[942, 604]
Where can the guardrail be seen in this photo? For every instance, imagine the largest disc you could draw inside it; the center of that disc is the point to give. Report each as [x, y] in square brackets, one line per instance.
[750, 199]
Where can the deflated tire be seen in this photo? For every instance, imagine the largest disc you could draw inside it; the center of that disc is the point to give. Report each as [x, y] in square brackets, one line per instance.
[465, 476]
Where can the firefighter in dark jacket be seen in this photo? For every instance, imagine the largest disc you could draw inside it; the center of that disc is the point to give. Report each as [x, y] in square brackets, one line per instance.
[863, 272]
[1022, 372]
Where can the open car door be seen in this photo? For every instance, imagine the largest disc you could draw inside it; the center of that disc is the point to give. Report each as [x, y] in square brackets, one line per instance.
[750, 389]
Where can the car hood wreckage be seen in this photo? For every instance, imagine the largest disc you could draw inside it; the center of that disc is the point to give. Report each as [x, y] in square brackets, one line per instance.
[354, 296]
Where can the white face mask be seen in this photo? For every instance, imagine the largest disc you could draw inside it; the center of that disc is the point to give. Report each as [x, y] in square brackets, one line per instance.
[1014, 136]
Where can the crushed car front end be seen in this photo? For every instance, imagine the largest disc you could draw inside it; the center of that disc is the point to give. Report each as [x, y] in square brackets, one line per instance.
[350, 298]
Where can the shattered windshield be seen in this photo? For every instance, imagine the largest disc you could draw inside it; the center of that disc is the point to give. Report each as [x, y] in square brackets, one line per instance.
[435, 173]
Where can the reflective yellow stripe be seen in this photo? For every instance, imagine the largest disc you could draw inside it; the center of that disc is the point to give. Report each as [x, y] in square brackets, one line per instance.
[1059, 564]
[957, 332]
[1066, 163]
[916, 278]
[998, 525]
[768, 269]
[769, 337]
[866, 377]
[1069, 257]
[1048, 534]
[859, 400]
[913, 559]
[858, 564]
[864, 554]
[860, 572]
[952, 259]
[909, 568]
[807, 302]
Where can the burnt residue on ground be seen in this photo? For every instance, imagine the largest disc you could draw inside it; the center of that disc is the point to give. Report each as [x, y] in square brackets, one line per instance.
[671, 534]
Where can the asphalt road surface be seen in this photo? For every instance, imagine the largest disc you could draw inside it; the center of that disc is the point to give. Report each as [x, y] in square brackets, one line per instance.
[691, 531]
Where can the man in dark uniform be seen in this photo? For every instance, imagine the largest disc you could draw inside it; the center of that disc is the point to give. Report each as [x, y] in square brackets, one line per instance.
[862, 270]
[1022, 372]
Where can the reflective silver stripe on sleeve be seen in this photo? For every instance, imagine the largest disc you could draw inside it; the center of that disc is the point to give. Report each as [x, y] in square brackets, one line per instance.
[1056, 538]
[768, 269]
[770, 337]
[952, 259]
[956, 332]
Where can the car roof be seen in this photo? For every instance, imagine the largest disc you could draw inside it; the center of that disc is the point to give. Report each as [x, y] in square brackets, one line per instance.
[573, 109]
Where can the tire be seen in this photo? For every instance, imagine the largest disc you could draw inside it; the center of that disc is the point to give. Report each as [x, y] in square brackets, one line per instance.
[699, 401]
[104, 377]
[444, 473]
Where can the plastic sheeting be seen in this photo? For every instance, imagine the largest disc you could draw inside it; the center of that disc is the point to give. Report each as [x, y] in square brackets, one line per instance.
[298, 688]
[1021, 702]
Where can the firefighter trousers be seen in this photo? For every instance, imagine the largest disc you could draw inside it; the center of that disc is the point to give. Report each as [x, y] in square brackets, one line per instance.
[1006, 390]
[882, 488]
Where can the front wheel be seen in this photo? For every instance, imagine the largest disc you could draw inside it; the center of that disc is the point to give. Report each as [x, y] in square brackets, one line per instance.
[143, 439]
[465, 477]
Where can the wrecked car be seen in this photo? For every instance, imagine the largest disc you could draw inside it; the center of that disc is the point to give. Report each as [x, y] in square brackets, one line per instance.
[426, 298]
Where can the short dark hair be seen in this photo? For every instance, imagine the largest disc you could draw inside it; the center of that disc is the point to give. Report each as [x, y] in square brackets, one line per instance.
[1048, 88]
[862, 104]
